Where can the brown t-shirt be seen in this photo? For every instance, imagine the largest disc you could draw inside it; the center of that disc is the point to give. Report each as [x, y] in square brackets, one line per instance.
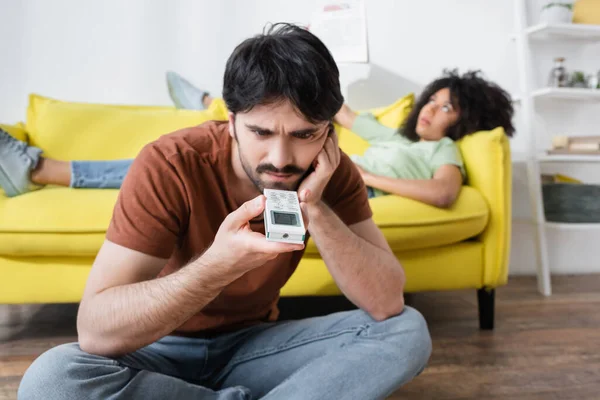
[173, 201]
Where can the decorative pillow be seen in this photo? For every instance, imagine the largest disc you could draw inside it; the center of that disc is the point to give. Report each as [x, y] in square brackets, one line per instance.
[392, 116]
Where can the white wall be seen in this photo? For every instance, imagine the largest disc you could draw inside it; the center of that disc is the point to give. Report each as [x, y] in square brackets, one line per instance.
[118, 52]
[108, 51]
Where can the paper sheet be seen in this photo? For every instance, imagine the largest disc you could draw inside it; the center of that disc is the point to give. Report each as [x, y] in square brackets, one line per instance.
[342, 26]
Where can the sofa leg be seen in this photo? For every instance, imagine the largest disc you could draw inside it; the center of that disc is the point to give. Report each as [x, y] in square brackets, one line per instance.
[485, 299]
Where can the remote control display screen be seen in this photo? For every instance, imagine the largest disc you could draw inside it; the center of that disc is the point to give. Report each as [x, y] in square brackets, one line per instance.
[280, 218]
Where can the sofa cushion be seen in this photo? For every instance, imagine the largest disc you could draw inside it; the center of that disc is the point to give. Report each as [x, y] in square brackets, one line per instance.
[411, 225]
[455, 266]
[63, 221]
[55, 221]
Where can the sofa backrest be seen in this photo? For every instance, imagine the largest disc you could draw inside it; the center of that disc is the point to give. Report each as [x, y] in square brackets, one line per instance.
[69, 130]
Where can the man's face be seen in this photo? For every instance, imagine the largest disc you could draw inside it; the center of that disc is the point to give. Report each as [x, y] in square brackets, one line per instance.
[276, 145]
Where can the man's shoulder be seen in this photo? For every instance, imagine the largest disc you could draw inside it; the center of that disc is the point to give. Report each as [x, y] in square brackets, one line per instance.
[207, 140]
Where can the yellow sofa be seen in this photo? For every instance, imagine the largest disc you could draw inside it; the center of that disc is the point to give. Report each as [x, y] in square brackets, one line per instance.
[49, 238]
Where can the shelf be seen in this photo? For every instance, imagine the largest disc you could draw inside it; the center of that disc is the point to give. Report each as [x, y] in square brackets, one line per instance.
[560, 225]
[592, 158]
[522, 157]
[567, 94]
[573, 226]
[581, 32]
[562, 94]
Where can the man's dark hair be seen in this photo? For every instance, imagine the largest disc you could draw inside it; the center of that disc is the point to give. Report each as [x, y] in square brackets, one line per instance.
[483, 105]
[286, 62]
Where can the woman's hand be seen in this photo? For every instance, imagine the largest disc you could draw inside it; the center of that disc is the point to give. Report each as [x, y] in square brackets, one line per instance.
[345, 117]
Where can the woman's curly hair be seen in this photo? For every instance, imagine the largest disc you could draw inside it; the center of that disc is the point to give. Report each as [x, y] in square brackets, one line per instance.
[482, 105]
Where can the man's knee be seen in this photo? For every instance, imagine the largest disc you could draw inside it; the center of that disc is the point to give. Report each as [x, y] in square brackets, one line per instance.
[59, 372]
[409, 333]
[420, 336]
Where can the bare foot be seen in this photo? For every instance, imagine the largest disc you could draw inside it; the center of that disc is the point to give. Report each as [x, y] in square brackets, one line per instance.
[206, 100]
[52, 172]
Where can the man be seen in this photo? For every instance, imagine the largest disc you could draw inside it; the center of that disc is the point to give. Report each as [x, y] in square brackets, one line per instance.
[181, 300]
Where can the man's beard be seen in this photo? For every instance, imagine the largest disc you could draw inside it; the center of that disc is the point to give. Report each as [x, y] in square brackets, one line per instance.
[253, 175]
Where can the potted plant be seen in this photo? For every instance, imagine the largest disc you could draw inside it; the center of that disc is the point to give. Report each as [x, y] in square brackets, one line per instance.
[557, 12]
[579, 80]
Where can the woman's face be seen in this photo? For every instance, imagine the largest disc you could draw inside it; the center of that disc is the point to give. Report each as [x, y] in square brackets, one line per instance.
[436, 116]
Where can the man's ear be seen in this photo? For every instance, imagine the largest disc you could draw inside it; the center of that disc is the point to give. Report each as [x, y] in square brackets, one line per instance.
[331, 128]
[231, 119]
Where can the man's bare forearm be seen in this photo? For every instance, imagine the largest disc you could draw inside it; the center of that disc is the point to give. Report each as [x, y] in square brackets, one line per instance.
[125, 318]
[370, 276]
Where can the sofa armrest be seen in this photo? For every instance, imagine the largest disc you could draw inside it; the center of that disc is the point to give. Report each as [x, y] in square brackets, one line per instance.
[488, 165]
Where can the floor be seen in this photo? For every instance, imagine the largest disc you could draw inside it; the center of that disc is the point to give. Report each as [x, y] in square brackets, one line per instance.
[542, 348]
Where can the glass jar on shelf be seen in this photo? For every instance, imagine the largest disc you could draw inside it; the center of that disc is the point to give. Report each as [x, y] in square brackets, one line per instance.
[558, 75]
[594, 81]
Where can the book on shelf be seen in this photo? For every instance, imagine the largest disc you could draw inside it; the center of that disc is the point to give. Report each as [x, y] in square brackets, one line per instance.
[567, 152]
[559, 178]
[575, 145]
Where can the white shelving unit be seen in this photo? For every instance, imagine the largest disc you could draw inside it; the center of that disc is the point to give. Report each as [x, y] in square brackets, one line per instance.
[567, 94]
[564, 226]
[587, 33]
[575, 94]
[525, 35]
[575, 158]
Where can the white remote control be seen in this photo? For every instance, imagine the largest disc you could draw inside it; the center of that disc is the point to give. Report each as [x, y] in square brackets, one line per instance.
[283, 217]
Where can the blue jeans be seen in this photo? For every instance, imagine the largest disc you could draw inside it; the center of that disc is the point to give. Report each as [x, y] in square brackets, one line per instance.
[345, 355]
[370, 192]
[99, 174]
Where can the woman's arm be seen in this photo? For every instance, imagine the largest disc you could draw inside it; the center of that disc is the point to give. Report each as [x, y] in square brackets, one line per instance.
[440, 191]
[364, 125]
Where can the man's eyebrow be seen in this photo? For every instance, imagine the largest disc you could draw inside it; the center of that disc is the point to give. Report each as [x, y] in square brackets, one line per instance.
[304, 131]
[253, 127]
[300, 132]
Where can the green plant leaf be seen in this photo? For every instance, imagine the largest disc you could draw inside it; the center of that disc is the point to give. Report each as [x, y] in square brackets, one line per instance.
[565, 5]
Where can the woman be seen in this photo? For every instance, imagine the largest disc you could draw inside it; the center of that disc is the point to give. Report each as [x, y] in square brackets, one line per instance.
[420, 160]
